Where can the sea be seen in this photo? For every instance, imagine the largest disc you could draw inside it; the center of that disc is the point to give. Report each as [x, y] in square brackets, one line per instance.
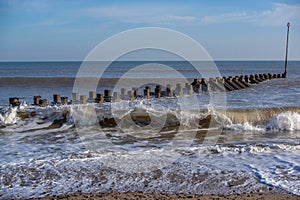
[182, 144]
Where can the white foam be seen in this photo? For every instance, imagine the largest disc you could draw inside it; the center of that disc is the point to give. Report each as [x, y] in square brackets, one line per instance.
[287, 121]
[9, 117]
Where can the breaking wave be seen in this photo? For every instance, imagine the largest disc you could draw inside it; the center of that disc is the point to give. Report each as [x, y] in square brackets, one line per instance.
[143, 113]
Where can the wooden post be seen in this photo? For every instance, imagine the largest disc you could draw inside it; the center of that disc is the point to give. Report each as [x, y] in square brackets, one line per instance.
[286, 50]
[92, 96]
[130, 95]
[36, 100]
[14, 101]
[179, 89]
[123, 93]
[158, 91]
[197, 87]
[64, 100]
[147, 92]
[169, 91]
[42, 102]
[116, 97]
[270, 76]
[204, 84]
[99, 99]
[75, 97]
[135, 92]
[56, 98]
[107, 95]
[83, 99]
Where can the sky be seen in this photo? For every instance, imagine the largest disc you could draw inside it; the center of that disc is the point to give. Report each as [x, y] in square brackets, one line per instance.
[60, 30]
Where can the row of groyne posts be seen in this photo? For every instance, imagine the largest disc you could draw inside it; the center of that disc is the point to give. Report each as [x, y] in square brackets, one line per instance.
[198, 86]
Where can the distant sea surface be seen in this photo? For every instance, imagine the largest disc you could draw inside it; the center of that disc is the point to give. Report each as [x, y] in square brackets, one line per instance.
[42, 152]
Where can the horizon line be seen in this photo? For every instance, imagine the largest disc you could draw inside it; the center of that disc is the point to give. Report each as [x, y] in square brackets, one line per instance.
[217, 60]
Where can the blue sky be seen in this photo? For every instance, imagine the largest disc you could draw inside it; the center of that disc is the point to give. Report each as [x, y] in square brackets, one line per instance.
[69, 30]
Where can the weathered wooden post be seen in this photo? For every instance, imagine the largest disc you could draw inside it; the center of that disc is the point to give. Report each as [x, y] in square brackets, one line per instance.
[169, 91]
[56, 98]
[188, 89]
[135, 92]
[243, 81]
[236, 82]
[42, 102]
[227, 86]
[179, 89]
[147, 92]
[92, 96]
[130, 95]
[158, 91]
[286, 50]
[64, 100]
[247, 79]
[261, 77]
[197, 87]
[204, 84]
[123, 93]
[83, 99]
[14, 101]
[252, 80]
[107, 95]
[270, 76]
[99, 99]
[116, 97]
[36, 100]
[75, 97]
[257, 78]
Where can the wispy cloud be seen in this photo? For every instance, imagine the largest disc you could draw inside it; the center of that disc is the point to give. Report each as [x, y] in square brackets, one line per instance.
[49, 22]
[279, 14]
[140, 14]
[27, 4]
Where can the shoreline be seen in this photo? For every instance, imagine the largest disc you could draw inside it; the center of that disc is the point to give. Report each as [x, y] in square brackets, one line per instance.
[140, 195]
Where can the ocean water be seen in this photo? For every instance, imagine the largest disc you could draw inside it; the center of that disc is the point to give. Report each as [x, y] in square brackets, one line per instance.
[168, 145]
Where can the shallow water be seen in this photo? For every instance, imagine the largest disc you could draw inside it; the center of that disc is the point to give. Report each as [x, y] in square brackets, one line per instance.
[150, 145]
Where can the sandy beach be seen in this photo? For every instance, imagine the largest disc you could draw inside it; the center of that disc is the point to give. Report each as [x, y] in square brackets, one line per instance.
[107, 196]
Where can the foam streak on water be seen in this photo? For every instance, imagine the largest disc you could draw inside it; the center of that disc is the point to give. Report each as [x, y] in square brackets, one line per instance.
[41, 151]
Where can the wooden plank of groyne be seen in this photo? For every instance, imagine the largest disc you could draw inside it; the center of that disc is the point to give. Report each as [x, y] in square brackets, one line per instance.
[253, 80]
[243, 81]
[157, 91]
[92, 96]
[56, 98]
[235, 81]
[229, 82]
[83, 99]
[75, 97]
[169, 91]
[147, 92]
[107, 95]
[123, 95]
[42, 102]
[204, 84]
[188, 89]
[116, 97]
[14, 101]
[64, 100]
[179, 89]
[36, 100]
[99, 99]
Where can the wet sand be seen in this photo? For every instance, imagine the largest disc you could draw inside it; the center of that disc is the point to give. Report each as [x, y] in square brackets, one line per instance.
[136, 195]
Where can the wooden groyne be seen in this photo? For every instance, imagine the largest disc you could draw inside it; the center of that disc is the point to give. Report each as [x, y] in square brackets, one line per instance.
[197, 87]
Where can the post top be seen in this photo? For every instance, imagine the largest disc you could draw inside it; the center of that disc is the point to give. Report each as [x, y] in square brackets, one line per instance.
[288, 24]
